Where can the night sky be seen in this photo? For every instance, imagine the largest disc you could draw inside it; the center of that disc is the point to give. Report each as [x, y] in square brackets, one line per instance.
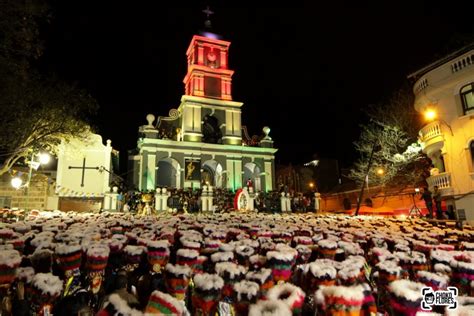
[307, 71]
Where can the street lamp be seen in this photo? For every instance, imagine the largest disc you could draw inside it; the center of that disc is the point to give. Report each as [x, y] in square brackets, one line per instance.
[17, 182]
[380, 171]
[430, 115]
[44, 158]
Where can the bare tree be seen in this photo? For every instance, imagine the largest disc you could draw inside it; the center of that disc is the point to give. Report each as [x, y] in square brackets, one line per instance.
[393, 130]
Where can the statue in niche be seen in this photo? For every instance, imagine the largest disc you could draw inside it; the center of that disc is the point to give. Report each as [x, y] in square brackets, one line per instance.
[190, 169]
[211, 131]
[179, 135]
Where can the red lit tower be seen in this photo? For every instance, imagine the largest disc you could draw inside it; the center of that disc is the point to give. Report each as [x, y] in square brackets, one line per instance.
[208, 75]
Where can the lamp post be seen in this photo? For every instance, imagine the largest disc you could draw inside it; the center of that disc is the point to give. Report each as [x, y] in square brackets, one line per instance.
[430, 115]
[28, 182]
[16, 182]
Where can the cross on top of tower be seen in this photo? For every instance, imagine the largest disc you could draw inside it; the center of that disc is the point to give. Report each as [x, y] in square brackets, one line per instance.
[208, 14]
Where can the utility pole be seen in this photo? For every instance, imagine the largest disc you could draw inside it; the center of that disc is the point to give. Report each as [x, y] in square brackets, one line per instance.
[27, 202]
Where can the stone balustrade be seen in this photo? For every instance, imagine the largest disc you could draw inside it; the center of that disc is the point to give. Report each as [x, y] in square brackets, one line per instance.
[442, 180]
[430, 131]
[462, 63]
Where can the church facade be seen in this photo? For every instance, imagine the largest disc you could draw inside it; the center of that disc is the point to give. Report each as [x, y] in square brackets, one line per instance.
[203, 142]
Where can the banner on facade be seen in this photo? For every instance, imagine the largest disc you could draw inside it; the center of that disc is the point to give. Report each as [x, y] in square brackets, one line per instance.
[192, 170]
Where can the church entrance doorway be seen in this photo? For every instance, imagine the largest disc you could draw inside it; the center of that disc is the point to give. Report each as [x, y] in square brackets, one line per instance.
[252, 172]
[211, 131]
[212, 173]
[169, 173]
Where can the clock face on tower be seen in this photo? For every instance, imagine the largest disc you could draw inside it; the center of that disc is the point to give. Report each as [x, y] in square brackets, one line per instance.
[211, 56]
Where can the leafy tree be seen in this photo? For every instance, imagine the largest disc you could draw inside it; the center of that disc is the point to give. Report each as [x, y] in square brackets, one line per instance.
[20, 43]
[37, 112]
[38, 115]
[392, 133]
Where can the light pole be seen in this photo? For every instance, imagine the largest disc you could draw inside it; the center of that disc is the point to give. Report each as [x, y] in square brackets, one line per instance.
[431, 115]
[16, 182]
[28, 182]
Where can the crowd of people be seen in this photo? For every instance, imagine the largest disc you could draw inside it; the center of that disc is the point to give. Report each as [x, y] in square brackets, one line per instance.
[223, 200]
[230, 263]
[433, 198]
[187, 200]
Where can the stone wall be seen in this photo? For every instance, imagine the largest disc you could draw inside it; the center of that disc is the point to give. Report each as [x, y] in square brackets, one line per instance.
[36, 199]
[403, 200]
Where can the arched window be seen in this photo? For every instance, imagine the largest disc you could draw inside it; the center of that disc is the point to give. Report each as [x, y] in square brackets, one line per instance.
[467, 98]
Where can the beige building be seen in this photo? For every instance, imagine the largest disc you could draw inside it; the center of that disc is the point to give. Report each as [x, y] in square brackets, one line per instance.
[444, 93]
[34, 197]
[84, 174]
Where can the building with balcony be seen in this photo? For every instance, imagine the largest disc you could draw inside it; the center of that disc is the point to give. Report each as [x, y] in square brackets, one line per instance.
[445, 89]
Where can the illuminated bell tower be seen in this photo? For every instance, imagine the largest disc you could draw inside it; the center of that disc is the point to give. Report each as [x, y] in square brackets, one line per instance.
[208, 75]
[201, 142]
[208, 93]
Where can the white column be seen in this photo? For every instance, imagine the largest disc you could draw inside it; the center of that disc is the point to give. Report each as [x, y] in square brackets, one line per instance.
[111, 200]
[204, 199]
[251, 203]
[236, 124]
[230, 174]
[106, 202]
[191, 122]
[161, 199]
[107, 165]
[210, 199]
[268, 176]
[238, 173]
[140, 173]
[228, 123]
[151, 172]
[283, 202]
[114, 202]
[187, 119]
[158, 199]
[60, 168]
[197, 119]
[317, 201]
[288, 202]
[164, 199]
